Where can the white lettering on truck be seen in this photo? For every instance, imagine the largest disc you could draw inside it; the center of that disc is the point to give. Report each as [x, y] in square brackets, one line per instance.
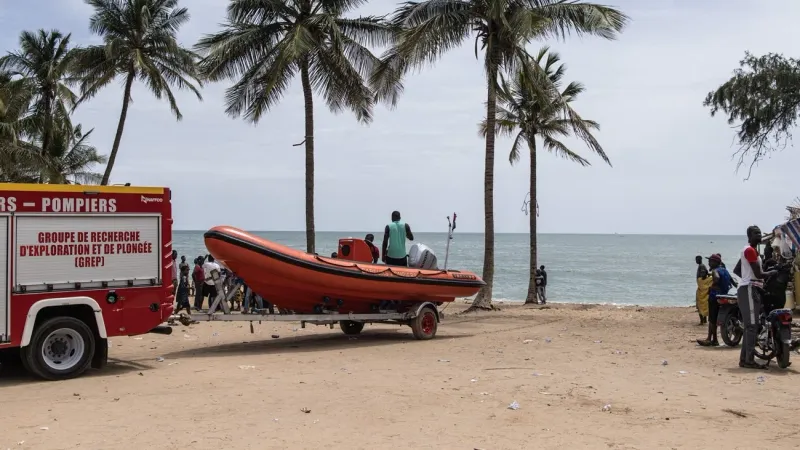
[152, 199]
[89, 205]
[8, 204]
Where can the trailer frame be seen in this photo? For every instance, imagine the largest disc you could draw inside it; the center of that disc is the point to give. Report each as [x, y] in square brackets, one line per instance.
[423, 317]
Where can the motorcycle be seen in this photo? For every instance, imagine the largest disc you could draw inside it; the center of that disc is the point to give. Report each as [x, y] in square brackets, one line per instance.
[774, 338]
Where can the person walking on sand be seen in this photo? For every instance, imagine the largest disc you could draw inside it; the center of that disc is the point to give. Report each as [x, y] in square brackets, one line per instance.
[749, 270]
[175, 270]
[703, 284]
[182, 295]
[541, 285]
[183, 266]
[394, 241]
[721, 282]
[210, 287]
[199, 279]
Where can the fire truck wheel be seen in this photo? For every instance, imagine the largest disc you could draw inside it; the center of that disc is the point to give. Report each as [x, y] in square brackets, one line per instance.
[60, 348]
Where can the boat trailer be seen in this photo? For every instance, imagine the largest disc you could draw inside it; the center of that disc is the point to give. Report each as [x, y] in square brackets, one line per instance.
[423, 318]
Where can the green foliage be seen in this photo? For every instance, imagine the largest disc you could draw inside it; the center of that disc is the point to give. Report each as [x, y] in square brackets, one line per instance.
[532, 105]
[37, 140]
[139, 40]
[501, 28]
[139, 43]
[762, 100]
[266, 43]
[37, 79]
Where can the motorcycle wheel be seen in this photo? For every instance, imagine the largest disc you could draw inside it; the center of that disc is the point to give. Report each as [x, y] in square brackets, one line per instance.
[765, 348]
[783, 355]
[730, 331]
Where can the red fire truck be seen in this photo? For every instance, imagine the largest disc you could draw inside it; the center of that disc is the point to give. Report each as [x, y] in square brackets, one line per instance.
[80, 264]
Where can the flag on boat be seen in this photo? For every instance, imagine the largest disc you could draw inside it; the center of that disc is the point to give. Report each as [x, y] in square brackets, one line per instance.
[791, 229]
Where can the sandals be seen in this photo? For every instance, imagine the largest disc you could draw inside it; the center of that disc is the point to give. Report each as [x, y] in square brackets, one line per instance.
[707, 343]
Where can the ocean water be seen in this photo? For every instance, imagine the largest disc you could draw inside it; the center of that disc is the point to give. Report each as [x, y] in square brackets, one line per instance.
[611, 269]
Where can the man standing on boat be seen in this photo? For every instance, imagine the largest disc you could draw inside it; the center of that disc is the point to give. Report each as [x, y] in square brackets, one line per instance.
[394, 241]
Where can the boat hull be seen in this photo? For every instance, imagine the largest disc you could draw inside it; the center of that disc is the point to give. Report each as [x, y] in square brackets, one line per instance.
[305, 283]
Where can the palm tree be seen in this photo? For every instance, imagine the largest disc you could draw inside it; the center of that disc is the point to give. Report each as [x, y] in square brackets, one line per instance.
[265, 43]
[72, 159]
[20, 160]
[503, 27]
[533, 106]
[139, 43]
[41, 69]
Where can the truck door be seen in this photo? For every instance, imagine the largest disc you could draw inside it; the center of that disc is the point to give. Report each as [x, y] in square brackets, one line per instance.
[4, 287]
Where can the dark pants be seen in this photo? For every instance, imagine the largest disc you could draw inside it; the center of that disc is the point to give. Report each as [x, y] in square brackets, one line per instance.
[198, 294]
[750, 306]
[397, 261]
[713, 314]
[209, 290]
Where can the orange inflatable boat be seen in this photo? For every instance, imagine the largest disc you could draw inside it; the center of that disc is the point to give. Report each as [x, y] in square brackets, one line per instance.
[306, 283]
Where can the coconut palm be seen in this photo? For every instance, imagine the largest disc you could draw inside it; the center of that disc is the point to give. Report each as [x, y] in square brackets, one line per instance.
[264, 44]
[139, 43]
[532, 106]
[20, 161]
[39, 73]
[502, 28]
[72, 159]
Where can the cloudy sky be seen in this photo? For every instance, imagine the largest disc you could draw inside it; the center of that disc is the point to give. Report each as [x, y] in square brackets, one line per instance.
[672, 167]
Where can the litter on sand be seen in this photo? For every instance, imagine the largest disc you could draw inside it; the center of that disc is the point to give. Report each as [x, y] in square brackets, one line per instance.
[513, 406]
[527, 341]
[682, 372]
[444, 360]
[607, 408]
[160, 359]
[247, 367]
[548, 340]
[664, 362]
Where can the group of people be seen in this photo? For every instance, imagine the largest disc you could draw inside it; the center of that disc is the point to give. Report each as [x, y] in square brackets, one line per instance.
[716, 280]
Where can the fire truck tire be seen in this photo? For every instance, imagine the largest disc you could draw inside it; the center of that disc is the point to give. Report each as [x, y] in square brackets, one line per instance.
[60, 348]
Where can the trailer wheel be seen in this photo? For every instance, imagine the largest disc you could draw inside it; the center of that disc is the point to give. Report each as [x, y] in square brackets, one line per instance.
[350, 327]
[60, 348]
[424, 326]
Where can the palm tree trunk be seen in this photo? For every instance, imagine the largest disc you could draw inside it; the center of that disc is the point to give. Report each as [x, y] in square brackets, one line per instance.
[309, 139]
[531, 297]
[122, 115]
[484, 297]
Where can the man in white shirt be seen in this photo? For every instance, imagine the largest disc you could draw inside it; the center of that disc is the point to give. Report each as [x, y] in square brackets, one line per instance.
[749, 270]
[210, 288]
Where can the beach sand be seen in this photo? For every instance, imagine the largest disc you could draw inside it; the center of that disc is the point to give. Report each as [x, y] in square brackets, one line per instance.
[221, 387]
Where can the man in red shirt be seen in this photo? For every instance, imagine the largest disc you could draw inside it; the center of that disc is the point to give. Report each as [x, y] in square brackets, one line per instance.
[199, 278]
[376, 254]
[749, 270]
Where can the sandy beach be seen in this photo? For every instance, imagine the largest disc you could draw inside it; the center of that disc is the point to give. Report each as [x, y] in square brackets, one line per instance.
[219, 386]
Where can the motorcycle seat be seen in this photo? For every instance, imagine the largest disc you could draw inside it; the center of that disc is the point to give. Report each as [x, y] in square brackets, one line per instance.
[776, 312]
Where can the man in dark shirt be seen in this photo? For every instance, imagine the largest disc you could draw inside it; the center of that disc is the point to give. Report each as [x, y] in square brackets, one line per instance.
[543, 274]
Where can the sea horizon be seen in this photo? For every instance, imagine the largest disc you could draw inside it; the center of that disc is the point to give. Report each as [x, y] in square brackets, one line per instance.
[458, 231]
[646, 270]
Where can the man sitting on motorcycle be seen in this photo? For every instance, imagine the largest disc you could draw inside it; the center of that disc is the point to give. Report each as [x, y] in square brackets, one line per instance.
[721, 284]
[749, 270]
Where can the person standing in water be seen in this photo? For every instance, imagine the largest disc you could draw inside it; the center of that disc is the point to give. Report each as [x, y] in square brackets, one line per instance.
[721, 282]
[394, 241]
[703, 285]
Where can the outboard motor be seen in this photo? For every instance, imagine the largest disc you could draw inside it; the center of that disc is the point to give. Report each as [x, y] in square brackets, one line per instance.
[422, 257]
